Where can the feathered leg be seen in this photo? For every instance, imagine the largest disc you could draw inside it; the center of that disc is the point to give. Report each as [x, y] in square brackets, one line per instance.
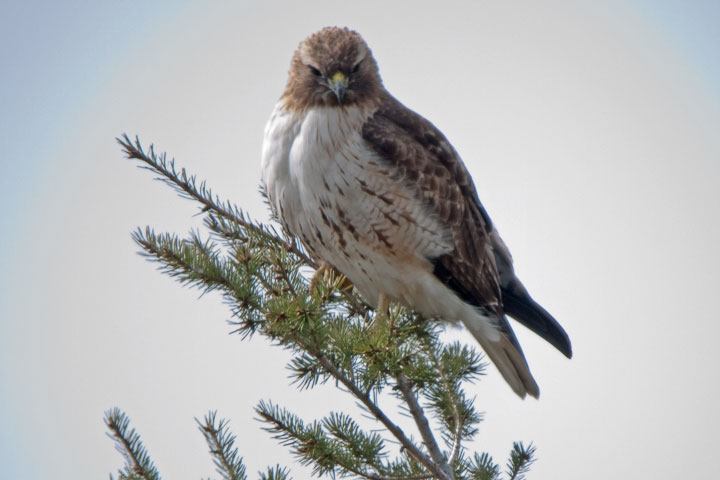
[381, 320]
[320, 272]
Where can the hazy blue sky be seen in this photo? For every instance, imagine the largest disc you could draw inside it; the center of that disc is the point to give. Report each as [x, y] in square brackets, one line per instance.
[592, 132]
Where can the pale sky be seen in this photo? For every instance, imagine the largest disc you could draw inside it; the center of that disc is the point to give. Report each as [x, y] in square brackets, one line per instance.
[592, 130]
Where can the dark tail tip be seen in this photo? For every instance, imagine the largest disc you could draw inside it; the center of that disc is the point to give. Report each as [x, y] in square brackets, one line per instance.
[528, 312]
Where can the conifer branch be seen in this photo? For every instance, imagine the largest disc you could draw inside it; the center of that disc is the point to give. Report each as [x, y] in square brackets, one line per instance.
[453, 364]
[260, 275]
[127, 441]
[521, 458]
[350, 452]
[380, 415]
[227, 460]
[186, 186]
[440, 466]
[275, 473]
[483, 468]
[457, 432]
[217, 210]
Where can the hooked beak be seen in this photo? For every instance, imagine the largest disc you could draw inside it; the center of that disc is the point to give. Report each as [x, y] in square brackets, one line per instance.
[338, 83]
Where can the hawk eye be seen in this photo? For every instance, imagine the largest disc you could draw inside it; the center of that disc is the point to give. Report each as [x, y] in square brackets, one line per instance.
[315, 71]
[356, 68]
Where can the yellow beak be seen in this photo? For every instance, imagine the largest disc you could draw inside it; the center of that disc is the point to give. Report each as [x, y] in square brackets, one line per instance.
[338, 83]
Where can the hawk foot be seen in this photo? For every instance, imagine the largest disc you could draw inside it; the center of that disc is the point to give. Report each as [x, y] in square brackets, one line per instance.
[328, 273]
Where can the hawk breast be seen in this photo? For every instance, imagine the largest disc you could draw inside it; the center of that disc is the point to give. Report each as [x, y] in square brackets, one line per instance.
[348, 206]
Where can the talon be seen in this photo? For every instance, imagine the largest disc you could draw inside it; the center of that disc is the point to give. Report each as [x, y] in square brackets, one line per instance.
[328, 273]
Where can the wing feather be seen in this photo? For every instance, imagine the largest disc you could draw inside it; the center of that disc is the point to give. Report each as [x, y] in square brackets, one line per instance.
[424, 159]
[479, 269]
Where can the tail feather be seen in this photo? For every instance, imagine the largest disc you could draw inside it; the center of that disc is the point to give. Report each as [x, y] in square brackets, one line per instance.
[509, 360]
[527, 311]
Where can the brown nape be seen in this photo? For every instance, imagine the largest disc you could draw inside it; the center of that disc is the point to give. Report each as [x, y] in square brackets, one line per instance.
[322, 55]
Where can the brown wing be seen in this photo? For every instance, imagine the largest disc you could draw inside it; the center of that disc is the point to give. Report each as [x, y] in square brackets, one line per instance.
[480, 268]
[422, 156]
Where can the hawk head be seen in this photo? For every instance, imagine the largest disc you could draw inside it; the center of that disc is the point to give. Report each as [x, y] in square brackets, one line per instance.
[332, 67]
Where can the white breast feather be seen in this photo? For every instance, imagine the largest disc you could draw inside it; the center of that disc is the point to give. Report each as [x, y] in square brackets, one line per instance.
[318, 172]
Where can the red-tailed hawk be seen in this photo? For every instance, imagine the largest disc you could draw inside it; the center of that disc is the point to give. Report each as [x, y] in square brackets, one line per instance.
[377, 192]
